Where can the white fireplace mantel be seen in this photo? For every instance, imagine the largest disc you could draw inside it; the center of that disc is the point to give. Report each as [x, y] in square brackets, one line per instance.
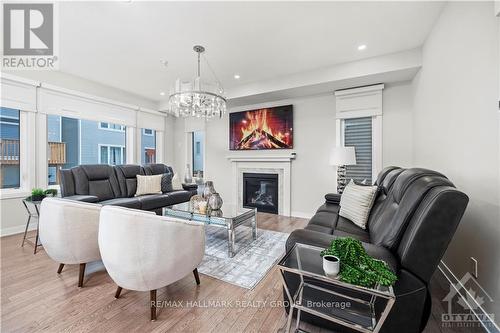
[262, 158]
[263, 163]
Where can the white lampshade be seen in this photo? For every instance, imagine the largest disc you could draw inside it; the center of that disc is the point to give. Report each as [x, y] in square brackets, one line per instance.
[343, 156]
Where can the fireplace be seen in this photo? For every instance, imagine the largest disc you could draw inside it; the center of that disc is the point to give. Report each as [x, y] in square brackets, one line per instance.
[260, 190]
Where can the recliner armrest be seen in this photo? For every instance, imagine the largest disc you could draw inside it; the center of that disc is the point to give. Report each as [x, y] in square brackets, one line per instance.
[333, 198]
[190, 187]
[84, 198]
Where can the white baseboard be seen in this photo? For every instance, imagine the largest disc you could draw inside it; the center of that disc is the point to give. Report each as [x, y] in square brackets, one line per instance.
[302, 215]
[477, 309]
[15, 230]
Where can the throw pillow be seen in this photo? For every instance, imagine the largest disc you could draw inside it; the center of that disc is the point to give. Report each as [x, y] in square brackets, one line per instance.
[148, 185]
[166, 183]
[356, 202]
[176, 182]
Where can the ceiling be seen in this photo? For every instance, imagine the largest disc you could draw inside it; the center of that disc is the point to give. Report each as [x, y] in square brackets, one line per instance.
[120, 43]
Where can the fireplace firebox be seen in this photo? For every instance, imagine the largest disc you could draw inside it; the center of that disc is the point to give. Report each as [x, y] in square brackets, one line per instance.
[260, 190]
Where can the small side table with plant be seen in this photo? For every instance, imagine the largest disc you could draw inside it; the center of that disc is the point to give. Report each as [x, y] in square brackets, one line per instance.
[32, 205]
[359, 297]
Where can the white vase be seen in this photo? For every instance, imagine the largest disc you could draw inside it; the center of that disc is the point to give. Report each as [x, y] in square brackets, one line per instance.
[331, 265]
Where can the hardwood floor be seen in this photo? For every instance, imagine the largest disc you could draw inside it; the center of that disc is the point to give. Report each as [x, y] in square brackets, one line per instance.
[35, 298]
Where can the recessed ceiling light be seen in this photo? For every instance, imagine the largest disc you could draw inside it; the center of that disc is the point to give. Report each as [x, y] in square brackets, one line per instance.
[236, 76]
[361, 47]
[162, 93]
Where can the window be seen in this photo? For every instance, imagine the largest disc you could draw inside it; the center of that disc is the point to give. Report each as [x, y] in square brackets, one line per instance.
[111, 127]
[148, 146]
[112, 155]
[74, 141]
[358, 134]
[10, 148]
[197, 151]
[148, 131]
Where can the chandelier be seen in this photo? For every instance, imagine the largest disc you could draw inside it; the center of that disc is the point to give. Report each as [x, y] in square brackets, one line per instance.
[197, 98]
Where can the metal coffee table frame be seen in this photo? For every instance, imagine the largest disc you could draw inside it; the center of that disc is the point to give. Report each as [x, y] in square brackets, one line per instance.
[296, 299]
[229, 223]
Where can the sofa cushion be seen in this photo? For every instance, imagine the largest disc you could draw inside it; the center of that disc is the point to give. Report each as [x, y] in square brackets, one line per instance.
[153, 201]
[83, 198]
[344, 225]
[123, 202]
[319, 228]
[356, 203]
[148, 185]
[157, 169]
[324, 219]
[166, 182]
[96, 179]
[364, 238]
[176, 197]
[127, 178]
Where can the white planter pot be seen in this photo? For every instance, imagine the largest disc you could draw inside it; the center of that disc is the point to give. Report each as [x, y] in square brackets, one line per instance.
[331, 265]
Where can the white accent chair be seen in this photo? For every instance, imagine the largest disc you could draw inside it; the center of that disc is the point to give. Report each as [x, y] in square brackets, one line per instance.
[68, 231]
[144, 252]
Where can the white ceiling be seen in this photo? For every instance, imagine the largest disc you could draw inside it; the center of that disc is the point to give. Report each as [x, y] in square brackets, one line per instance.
[120, 44]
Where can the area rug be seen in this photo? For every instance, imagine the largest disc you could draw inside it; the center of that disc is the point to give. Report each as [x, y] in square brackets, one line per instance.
[252, 259]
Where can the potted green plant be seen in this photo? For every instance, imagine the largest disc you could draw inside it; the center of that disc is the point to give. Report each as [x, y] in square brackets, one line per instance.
[37, 194]
[51, 192]
[356, 266]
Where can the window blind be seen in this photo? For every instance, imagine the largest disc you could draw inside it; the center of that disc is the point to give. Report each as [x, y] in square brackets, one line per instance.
[358, 134]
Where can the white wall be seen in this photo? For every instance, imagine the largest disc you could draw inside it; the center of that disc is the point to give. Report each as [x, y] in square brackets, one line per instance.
[456, 128]
[314, 136]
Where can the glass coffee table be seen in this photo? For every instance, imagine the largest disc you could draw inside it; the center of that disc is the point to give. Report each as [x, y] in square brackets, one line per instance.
[359, 308]
[229, 217]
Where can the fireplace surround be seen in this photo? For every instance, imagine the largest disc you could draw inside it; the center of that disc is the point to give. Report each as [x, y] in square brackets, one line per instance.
[260, 190]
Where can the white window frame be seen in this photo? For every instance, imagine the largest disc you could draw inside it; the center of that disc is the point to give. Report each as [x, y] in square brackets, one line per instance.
[149, 129]
[26, 157]
[99, 145]
[376, 141]
[121, 129]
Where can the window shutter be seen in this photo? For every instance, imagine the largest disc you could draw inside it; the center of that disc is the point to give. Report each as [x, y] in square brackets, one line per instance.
[358, 134]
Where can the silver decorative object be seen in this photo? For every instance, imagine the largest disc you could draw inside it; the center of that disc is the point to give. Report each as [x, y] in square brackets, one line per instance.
[198, 98]
[209, 190]
[215, 201]
[188, 179]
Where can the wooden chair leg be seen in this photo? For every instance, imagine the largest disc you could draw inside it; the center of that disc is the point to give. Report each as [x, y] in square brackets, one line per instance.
[118, 291]
[59, 270]
[152, 296]
[81, 275]
[196, 276]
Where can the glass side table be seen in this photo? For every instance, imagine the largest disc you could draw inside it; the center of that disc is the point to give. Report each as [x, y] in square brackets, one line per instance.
[327, 297]
[33, 209]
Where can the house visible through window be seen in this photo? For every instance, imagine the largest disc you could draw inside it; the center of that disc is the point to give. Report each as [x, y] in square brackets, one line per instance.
[148, 146]
[111, 127]
[197, 151]
[74, 141]
[358, 134]
[10, 148]
[112, 155]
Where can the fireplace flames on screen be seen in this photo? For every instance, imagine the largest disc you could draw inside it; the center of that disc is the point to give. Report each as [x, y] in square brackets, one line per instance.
[257, 132]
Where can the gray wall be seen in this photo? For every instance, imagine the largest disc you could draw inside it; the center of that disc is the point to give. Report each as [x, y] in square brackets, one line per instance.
[455, 128]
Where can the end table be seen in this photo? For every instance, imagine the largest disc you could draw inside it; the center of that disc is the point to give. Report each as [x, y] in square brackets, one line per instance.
[33, 209]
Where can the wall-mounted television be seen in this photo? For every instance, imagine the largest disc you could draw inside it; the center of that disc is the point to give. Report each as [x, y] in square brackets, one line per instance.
[267, 128]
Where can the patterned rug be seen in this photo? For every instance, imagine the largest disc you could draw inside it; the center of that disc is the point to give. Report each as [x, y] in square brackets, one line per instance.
[252, 259]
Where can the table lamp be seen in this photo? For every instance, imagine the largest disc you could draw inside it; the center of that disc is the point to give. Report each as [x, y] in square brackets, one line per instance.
[340, 157]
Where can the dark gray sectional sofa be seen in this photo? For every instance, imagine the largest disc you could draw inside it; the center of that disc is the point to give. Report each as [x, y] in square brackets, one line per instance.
[116, 185]
[410, 226]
